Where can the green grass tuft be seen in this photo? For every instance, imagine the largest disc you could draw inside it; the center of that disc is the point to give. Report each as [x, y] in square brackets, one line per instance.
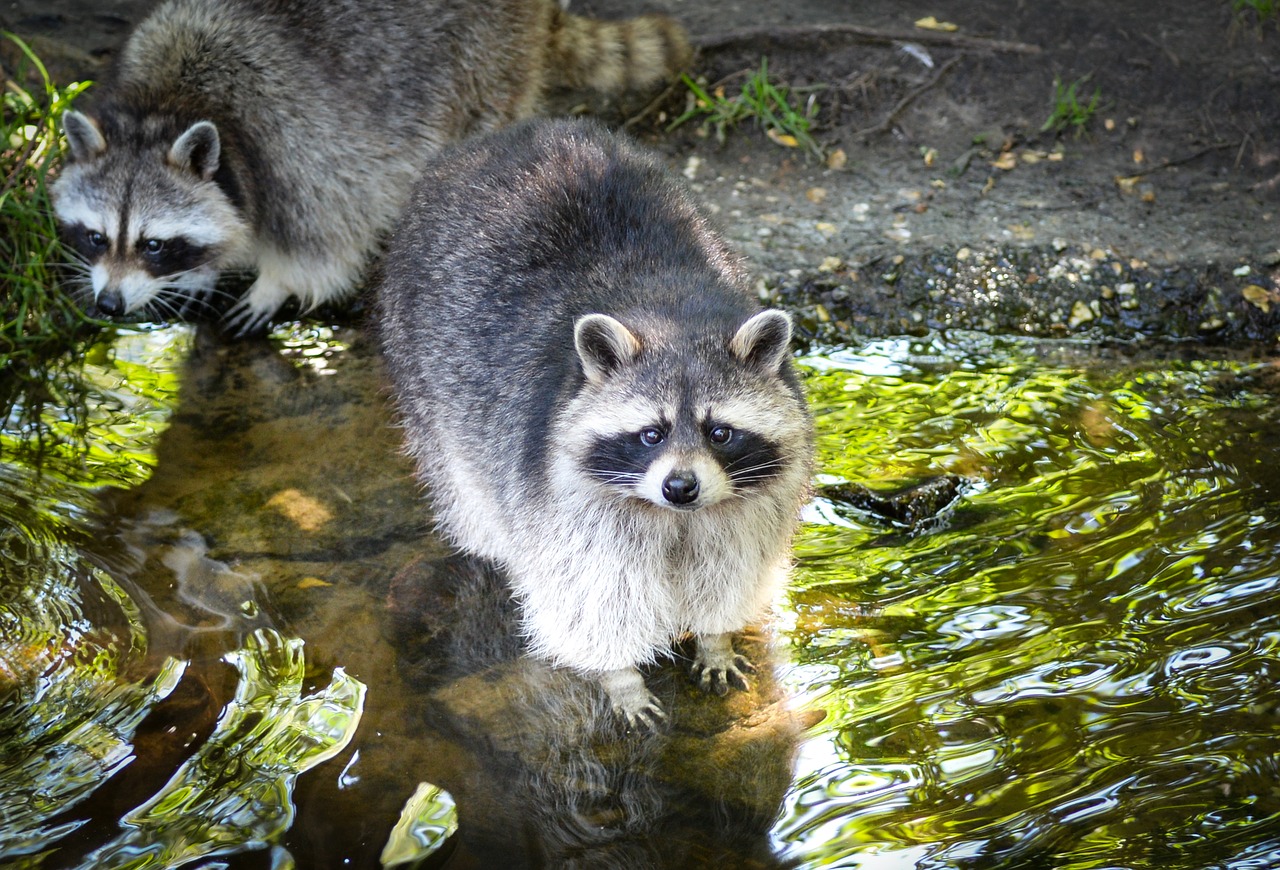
[1256, 13]
[762, 100]
[37, 316]
[1069, 113]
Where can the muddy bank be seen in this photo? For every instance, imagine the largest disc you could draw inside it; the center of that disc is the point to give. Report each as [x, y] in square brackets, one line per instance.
[1036, 292]
[948, 205]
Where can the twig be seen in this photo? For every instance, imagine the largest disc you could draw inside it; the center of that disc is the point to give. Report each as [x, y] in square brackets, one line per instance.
[884, 125]
[1169, 164]
[862, 34]
[647, 110]
[1244, 143]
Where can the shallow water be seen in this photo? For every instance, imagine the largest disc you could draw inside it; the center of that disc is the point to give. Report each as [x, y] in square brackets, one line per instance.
[228, 636]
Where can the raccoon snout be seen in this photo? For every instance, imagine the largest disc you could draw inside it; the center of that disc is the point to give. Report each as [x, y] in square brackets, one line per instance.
[680, 488]
[110, 303]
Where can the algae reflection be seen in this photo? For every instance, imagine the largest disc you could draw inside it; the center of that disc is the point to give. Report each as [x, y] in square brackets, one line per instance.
[74, 683]
[1076, 664]
[1073, 664]
[236, 793]
[80, 664]
[69, 707]
[93, 416]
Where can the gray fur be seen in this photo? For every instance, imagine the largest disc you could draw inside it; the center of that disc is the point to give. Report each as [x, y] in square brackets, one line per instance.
[550, 296]
[284, 136]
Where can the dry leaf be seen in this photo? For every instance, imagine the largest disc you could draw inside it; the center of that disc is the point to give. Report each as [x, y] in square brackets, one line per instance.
[1127, 183]
[837, 159]
[304, 511]
[1005, 161]
[1096, 422]
[312, 583]
[1258, 297]
[931, 23]
[785, 139]
[816, 195]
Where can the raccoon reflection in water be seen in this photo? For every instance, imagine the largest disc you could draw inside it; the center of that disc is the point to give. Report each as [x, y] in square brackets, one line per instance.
[201, 155]
[596, 401]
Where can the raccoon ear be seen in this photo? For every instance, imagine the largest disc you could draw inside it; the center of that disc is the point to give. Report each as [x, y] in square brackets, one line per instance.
[197, 150]
[764, 341]
[83, 136]
[604, 345]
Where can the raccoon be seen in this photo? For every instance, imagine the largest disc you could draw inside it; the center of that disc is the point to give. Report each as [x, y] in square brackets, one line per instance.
[283, 136]
[595, 401]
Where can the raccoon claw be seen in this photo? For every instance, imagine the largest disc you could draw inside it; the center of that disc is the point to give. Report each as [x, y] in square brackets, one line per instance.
[632, 702]
[649, 719]
[243, 319]
[717, 680]
[716, 666]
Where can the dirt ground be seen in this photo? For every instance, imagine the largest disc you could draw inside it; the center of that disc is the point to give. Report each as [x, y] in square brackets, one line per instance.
[952, 208]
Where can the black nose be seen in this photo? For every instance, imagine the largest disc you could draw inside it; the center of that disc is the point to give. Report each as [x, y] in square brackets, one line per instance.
[111, 303]
[680, 487]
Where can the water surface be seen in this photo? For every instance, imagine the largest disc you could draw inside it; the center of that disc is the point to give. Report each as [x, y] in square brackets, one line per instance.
[229, 636]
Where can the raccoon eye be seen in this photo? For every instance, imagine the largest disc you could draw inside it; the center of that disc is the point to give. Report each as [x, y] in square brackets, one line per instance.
[95, 238]
[153, 246]
[651, 437]
[720, 435]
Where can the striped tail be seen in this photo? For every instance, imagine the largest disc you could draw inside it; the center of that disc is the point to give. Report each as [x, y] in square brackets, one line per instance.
[614, 57]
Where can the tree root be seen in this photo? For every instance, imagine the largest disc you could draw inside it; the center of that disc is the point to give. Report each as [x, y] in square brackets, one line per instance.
[869, 35]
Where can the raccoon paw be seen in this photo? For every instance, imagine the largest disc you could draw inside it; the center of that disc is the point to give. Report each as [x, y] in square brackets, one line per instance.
[248, 316]
[632, 702]
[716, 666]
[649, 718]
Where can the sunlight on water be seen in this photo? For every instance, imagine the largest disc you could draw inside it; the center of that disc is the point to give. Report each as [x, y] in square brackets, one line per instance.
[1076, 664]
[428, 819]
[311, 346]
[79, 672]
[1036, 598]
[96, 417]
[71, 641]
[74, 683]
[236, 793]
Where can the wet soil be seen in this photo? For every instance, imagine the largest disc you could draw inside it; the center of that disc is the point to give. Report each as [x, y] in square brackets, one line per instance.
[952, 207]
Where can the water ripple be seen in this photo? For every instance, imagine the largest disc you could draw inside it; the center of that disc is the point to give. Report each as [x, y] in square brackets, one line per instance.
[1085, 657]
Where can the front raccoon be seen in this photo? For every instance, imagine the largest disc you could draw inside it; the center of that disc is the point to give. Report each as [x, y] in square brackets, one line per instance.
[283, 137]
[596, 401]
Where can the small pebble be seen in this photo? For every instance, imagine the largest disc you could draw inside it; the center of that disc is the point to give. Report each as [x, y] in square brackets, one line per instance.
[1081, 313]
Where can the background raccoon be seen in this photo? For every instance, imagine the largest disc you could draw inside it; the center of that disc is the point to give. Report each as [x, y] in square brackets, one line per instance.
[284, 137]
[596, 401]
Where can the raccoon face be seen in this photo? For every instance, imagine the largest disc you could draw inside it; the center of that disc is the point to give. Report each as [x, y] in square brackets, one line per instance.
[149, 227]
[688, 436]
